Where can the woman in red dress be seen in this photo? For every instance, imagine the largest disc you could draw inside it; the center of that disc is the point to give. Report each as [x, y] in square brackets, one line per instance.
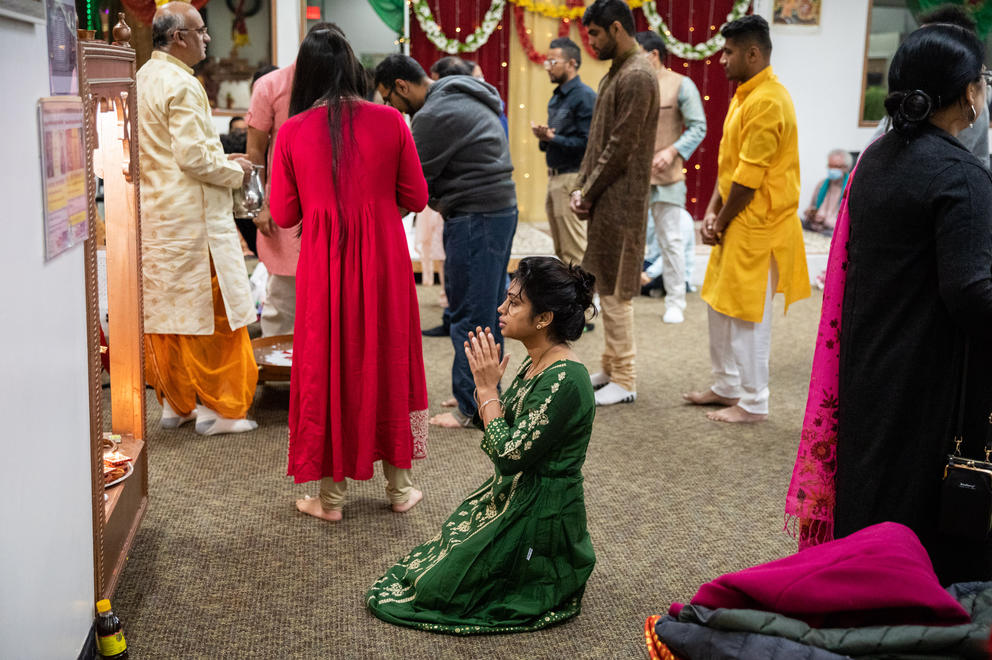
[344, 167]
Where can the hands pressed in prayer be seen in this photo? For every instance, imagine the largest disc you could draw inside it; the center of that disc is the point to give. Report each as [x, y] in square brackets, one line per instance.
[580, 207]
[487, 365]
[485, 361]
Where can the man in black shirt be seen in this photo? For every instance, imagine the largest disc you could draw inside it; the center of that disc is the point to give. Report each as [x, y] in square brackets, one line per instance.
[563, 141]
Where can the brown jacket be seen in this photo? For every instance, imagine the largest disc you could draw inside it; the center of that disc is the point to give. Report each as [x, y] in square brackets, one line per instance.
[616, 172]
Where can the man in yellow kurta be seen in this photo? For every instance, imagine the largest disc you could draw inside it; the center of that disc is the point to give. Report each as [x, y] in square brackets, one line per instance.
[752, 222]
[197, 299]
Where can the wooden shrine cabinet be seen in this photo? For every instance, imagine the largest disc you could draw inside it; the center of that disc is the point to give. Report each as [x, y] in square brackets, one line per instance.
[107, 87]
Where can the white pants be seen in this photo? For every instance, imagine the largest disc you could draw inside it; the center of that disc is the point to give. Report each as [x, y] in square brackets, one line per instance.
[668, 223]
[739, 354]
[279, 310]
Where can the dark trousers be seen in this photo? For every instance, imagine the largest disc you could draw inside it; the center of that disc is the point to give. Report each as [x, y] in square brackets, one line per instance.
[476, 254]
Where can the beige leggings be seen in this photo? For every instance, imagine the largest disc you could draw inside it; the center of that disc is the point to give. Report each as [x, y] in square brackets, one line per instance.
[398, 487]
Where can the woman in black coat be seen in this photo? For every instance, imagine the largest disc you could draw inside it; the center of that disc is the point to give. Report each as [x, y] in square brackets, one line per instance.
[918, 288]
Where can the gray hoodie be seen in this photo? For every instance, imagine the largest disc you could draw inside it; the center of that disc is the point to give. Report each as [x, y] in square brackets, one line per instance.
[463, 148]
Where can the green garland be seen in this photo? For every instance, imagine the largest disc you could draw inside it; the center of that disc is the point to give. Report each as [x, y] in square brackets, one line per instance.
[472, 43]
[689, 51]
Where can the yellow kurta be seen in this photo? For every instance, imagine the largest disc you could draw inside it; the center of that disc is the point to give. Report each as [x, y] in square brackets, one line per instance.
[186, 207]
[759, 149]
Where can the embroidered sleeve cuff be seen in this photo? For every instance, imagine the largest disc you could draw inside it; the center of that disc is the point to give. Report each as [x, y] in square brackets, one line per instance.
[748, 175]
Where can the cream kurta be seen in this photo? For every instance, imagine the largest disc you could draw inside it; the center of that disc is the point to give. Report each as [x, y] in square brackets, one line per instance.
[186, 206]
[759, 149]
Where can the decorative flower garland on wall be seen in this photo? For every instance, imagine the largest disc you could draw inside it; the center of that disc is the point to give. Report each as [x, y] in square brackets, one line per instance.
[682, 49]
[572, 10]
[472, 43]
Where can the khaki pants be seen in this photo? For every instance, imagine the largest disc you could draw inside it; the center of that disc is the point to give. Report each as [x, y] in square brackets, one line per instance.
[567, 231]
[398, 487]
[618, 324]
[279, 310]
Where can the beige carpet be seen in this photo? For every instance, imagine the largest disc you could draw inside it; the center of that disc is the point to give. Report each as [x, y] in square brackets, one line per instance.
[224, 567]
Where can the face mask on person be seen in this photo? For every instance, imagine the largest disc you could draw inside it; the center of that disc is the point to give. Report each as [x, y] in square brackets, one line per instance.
[835, 174]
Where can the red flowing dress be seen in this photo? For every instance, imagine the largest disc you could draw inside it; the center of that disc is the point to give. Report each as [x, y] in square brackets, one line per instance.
[358, 393]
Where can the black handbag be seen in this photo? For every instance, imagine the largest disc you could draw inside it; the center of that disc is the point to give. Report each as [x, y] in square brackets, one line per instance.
[966, 491]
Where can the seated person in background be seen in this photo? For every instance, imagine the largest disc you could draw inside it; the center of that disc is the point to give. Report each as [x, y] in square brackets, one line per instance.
[235, 141]
[821, 216]
[515, 555]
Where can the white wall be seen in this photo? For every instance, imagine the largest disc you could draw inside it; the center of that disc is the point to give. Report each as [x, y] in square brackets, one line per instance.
[46, 543]
[822, 71]
[365, 30]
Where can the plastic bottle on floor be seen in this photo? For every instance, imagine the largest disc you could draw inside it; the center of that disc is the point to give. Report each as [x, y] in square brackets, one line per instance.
[110, 642]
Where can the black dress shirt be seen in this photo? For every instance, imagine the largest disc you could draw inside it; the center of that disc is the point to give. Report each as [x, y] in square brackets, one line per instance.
[569, 113]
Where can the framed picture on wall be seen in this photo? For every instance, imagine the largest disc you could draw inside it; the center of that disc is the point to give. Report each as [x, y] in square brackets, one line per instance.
[796, 12]
[29, 11]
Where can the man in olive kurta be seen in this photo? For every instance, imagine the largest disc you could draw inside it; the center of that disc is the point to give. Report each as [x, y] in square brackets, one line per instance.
[613, 186]
[752, 222]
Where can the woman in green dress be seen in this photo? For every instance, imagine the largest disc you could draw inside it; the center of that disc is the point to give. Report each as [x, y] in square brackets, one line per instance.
[515, 555]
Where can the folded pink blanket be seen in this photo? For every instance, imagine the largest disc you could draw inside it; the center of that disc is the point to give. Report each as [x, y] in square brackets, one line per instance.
[880, 575]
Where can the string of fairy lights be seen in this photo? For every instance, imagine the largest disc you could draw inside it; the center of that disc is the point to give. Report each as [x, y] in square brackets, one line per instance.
[492, 21]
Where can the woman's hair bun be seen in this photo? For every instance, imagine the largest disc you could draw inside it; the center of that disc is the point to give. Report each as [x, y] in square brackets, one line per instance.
[909, 109]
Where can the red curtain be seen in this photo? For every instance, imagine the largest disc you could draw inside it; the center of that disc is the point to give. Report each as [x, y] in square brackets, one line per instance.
[695, 22]
[144, 10]
[493, 57]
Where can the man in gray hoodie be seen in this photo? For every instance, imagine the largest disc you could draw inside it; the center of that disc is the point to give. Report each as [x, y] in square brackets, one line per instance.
[466, 160]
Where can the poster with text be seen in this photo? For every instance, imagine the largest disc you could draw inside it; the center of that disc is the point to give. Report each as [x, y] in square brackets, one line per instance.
[63, 173]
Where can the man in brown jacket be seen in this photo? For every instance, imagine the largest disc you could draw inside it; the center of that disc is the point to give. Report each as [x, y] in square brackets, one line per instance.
[613, 186]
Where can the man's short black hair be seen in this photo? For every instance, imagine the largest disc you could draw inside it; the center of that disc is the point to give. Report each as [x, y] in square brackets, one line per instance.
[569, 48]
[651, 40]
[751, 29]
[949, 15]
[398, 67]
[230, 124]
[604, 12]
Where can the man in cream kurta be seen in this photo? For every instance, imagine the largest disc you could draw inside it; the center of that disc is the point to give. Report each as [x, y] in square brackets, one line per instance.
[197, 299]
[752, 222]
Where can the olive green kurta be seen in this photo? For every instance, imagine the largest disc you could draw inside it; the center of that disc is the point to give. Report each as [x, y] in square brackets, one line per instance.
[515, 555]
[615, 174]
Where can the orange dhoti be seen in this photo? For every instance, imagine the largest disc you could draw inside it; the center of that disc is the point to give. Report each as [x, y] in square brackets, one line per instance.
[220, 368]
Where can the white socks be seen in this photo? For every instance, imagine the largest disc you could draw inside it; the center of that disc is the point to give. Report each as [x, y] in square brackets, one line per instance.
[171, 419]
[613, 393]
[210, 423]
[599, 379]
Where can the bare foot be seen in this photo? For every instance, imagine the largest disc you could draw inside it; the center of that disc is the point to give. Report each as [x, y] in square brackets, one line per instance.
[446, 420]
[735, 415]
[415, 497]
[312, 507]
[449, 403]
[708, 398]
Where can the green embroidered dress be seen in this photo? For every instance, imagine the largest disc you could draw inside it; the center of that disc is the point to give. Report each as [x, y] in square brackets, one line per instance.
[515, 555]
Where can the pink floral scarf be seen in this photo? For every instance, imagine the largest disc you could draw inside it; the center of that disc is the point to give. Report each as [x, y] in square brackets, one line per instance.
[809, 506]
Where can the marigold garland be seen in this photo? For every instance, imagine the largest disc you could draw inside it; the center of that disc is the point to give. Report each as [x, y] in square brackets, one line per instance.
[563, 27]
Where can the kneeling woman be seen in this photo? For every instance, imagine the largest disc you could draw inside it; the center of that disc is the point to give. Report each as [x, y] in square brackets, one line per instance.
[515, 555]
